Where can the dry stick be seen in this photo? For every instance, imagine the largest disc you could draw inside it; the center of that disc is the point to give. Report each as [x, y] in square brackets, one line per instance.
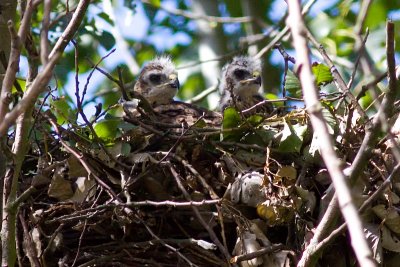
[285, 30]
[359, 52]
[194, 16]
[45, 75]
[203, 94]
[212, 234]
[326, 145]
[85, 213]
[29, 247]
[369, 141]
[163, 242]
[44, 39]
[335, 233]
[386, 110]
[340, 83]
[258, 253]
[79, 101]
[203, 181]
[17, 40]
[80, 157]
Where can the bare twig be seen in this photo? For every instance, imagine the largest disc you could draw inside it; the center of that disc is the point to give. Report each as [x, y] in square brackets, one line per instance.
[385, 111]
[212, 234]
[44, 40]
[203, 94]
[194, 16]
[335, 233]
[45, 75]
[326, 145]
[284, 31]
[164, 243]
[258, 253]
[340, 83]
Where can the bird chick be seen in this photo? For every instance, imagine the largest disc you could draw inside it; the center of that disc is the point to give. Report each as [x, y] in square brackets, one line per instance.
[240, 83]
[158, 81]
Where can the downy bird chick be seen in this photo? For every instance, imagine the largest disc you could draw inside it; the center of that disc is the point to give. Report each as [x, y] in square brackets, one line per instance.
[240, 84]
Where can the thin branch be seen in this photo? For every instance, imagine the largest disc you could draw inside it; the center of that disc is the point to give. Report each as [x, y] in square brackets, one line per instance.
[340, 83]
[44, 40]
[39, 84]
[203, 94]
[258, 253]
[284, 31]
[194, 16]
[334, 234]
[326, 145]
[210, 231]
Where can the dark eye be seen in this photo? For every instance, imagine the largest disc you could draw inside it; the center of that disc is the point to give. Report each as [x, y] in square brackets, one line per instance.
[155, 78]
[240, 74]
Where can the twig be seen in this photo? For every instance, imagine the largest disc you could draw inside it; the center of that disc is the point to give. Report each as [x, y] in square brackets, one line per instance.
[44, 76]
[44, 40]
[90, 212]
[79, 156]
[203, 94]
[385, 111]
[326, 145]
[359, 53]
[164, 243]
[194, 16]
[365, 87]
[258, 253]
[340, 83]
[335, 233]
[284, 31]
[211, 191]
[212, 234]
[29, 245]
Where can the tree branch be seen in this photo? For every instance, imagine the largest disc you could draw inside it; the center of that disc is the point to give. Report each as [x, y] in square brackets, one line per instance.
[326, 145]
[44, 77]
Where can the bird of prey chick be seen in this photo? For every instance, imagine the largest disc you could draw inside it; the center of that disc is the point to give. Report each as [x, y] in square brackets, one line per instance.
[158, 81]
[240, 83]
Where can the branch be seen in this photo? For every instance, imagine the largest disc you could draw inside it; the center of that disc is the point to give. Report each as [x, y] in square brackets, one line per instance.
[340, 83]
[285, 30]
[385, 111]
[326, 145]
[45, 75]
[194, 16]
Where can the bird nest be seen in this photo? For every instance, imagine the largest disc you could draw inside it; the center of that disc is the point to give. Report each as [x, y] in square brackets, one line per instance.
[176, 186]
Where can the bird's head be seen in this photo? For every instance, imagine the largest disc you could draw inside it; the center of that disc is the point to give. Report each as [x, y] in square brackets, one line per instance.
[242, 77]
[158, 81]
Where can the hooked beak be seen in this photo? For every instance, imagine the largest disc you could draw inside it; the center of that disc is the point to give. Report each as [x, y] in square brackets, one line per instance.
[173, 81]
[255, 80]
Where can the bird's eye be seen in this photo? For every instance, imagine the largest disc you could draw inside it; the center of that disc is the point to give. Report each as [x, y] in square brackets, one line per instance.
[240, 74]
[155, 78]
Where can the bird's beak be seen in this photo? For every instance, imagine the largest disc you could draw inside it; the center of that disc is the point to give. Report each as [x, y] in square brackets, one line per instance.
[256, 79]
[173, 81]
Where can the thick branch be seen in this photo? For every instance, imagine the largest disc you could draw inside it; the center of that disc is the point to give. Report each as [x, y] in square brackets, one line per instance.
[326, 145]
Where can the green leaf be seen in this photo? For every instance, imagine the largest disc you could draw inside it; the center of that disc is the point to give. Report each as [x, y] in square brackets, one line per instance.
[107, 130]
[231, 118]
[156, 3]
[292, 85]
[255, 120]
[62, 110]
[106, 17]
[292, 137]
[107, 40]
[322, 74]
